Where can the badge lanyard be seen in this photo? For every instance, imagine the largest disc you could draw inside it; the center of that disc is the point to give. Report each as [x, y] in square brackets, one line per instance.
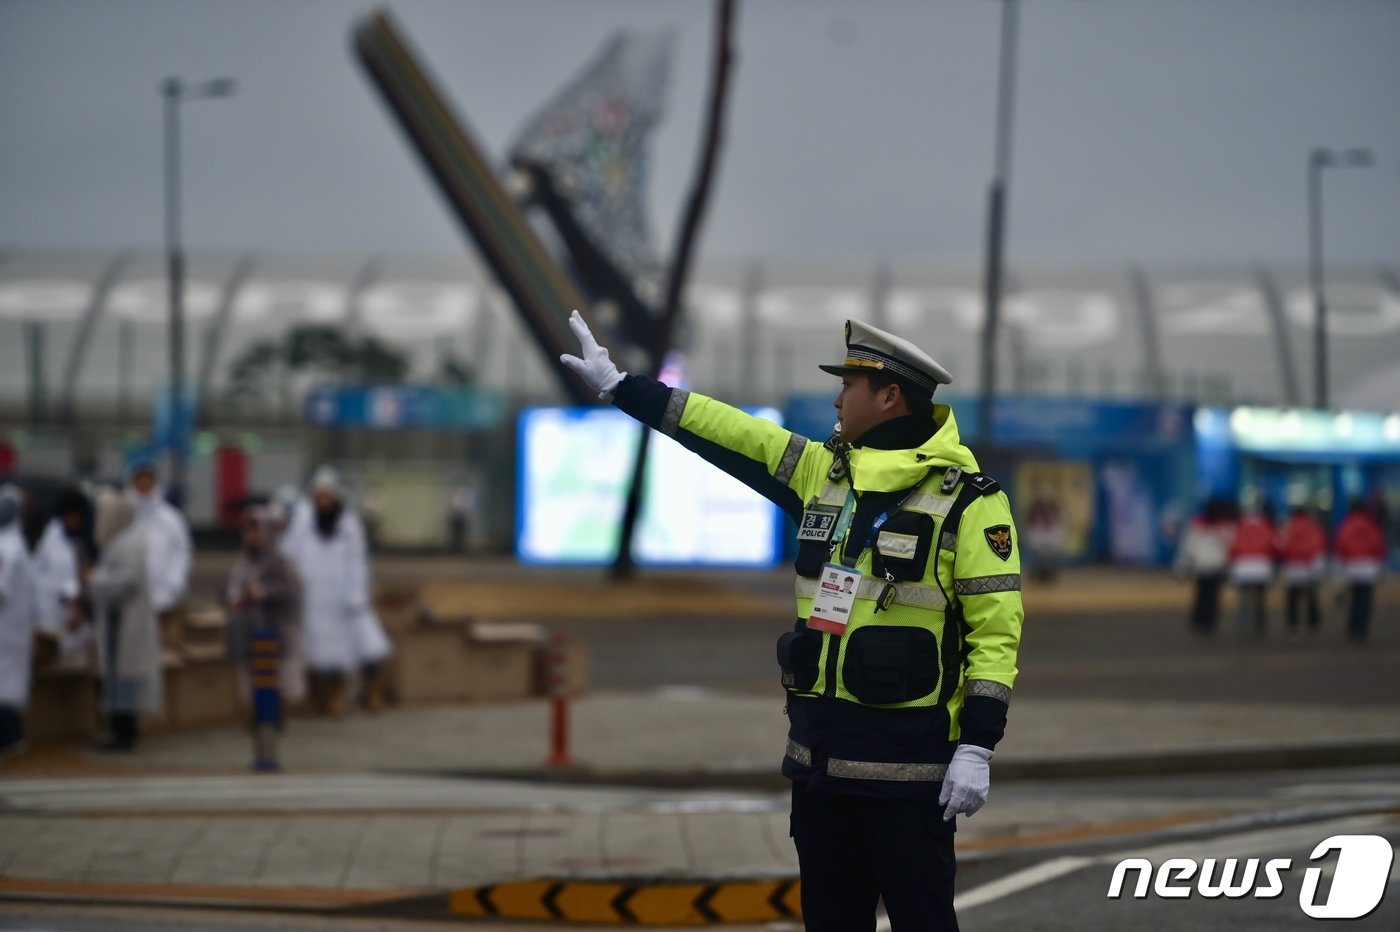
[843, 524]
[834, 602]
[848, 513]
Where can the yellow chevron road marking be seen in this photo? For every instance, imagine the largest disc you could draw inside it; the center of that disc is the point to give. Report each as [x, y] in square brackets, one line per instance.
[626, 902]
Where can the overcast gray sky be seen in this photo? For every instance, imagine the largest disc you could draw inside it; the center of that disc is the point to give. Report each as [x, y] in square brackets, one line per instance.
[1157, 130]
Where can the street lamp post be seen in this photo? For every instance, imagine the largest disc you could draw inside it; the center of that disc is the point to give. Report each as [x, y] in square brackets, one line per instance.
[996, 215]
[1318, 159]
[174, 91]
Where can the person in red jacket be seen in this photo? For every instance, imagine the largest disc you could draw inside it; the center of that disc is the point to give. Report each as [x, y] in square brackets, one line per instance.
[1360, 551]
[1252, 556]
[1302, 548]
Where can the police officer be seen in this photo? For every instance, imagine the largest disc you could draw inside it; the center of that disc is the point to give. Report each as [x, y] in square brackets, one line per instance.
[897, 685]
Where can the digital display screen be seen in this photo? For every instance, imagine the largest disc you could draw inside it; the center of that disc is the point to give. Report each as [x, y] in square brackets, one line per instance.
[575, 464]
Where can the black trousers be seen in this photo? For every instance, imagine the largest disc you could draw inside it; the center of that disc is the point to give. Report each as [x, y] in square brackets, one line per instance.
[1359, 616]
[855, 850]
[125, 729]
[1253, 613]
[1303, 595]
[1205, 611]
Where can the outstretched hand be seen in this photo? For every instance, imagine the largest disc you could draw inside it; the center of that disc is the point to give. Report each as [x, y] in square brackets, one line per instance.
[594, 367]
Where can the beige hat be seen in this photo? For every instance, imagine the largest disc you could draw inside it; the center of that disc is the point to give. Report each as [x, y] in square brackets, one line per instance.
[870, 348]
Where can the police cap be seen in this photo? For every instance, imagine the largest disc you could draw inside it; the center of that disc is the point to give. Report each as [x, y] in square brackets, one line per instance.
[872, 349]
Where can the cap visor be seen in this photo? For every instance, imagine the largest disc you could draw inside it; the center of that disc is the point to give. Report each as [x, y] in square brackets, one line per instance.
[842, 370]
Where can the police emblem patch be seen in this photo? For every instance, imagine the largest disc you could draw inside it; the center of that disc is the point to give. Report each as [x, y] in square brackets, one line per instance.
[999, 539]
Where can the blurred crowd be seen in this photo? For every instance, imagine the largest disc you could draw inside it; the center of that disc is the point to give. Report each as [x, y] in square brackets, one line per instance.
[1247, 548]
[99, 575]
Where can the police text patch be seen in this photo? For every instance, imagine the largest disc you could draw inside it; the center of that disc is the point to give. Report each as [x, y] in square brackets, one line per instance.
[999, 539]
[818, 523]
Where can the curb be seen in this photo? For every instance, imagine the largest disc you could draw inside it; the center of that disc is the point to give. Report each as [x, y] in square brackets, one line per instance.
[1357, 753]
[1206, 760]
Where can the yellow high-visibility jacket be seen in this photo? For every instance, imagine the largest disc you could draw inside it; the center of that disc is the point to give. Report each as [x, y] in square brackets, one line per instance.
[928, 657]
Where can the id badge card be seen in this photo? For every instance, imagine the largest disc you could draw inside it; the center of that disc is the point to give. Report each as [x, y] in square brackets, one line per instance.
[818, 524]
[836, 596]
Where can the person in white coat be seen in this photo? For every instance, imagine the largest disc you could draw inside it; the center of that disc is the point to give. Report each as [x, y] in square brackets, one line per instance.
[169, 547]
[18, 615]
[56, 582]
[128, 642]
[340, 632]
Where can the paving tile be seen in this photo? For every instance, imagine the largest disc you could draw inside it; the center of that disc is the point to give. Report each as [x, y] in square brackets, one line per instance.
[393, 852]
[724, 843]
[226, 851]
[64, 849]
[563, 844]
[648, 843]
[480, 849]
[144, 851]
[17, 833]
[310, 852]
[776, 826]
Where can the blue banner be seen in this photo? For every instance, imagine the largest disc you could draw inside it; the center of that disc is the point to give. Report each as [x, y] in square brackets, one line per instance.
[1066, 425]
[172, 425]
[404, 407]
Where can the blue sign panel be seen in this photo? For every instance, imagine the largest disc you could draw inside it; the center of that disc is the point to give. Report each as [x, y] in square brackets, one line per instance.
[1062, 424]
[172, 425]
[404, 407]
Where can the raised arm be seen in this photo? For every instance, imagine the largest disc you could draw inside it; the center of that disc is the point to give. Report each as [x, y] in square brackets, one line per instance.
[780, 465]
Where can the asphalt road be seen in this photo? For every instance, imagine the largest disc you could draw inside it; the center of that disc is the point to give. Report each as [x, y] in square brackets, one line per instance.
[1070, 891]
[1066, 886]
[1144, 655]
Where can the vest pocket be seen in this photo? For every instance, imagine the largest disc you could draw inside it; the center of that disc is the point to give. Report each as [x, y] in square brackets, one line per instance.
[884, 665]
[903, 544]
[798, 656]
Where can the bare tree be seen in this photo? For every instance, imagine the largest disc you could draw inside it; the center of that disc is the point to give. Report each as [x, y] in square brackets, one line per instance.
[686, 240]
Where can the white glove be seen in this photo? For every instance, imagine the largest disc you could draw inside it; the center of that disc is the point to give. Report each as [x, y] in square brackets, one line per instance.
[595, 367]
[967, 782]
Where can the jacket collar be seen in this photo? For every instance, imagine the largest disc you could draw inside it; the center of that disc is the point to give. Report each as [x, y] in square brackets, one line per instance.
[899, 433]
[881, 470]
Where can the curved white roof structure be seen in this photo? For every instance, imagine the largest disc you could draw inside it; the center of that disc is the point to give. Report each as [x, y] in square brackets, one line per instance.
[89, 331]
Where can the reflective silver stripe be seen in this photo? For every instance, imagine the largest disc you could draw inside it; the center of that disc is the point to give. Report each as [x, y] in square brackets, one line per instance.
[671, 420]
[901, 546]
[948, 541]
[989, 689]
[979, 585]
[788, 464]
[912, 594]
[929, 504]
[877, 770]
[832, 494]
[798, 753]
